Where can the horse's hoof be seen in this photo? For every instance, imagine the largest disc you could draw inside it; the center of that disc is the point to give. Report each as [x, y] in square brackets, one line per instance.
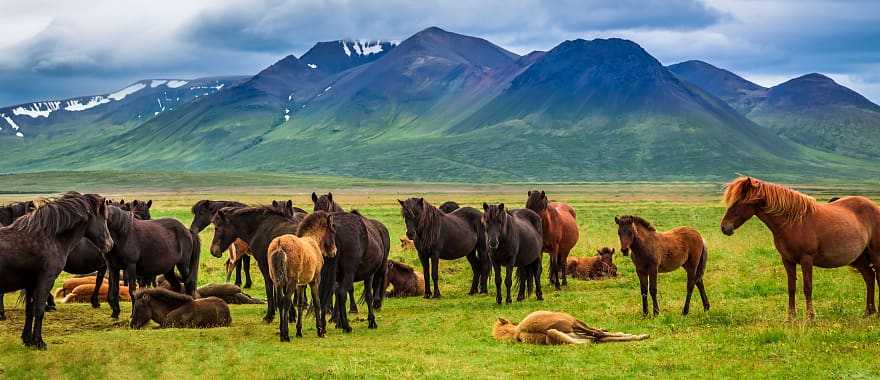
[247, 285]
[285, 339]
[346, 330]
[299, 334]
[40, 345]
[2, 317]
[96, 306]
[50, 308]
[436, 295]
[427, 296]
[268, 320]
[539, 297]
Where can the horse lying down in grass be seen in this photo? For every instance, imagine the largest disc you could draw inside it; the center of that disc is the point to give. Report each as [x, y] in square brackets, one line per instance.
[552, 328]
[593, 267]
[407, 282]
[229, 293]
[171, 309]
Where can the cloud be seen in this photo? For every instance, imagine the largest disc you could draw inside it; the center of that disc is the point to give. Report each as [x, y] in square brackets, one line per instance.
[57, 49]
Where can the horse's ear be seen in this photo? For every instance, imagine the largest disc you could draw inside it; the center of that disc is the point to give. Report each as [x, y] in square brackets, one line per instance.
[289, 203]
[330, 196]
[754, 182]
[501, 207]
[314, 197]
[530, 193]
[616, 219]
[503, 321]
[149, 203]
[599, 251]
[543, 195]
[612, 251]
[274, 203]
[485, 206]
[421, 201]
[398, 201]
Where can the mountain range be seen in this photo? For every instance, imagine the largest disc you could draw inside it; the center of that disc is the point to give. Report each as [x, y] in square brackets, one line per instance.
[445, 106]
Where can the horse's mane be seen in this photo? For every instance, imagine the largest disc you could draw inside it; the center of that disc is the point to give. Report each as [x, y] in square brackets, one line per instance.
[779, 200]
[259, 210]
[59, 215]
[214, 205]
[401, 266]
[428, 228]
[120, 220]
[630, 219]
[164, 295]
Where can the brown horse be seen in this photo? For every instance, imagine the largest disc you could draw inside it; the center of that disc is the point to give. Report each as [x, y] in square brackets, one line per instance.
[549, 327]
[560, 231]
[660, 252]
[593, 267]
[805, 232]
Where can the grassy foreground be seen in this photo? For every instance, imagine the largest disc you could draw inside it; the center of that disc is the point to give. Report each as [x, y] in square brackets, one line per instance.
[743, 335]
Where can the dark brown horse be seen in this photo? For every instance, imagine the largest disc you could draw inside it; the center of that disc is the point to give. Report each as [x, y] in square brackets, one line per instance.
[660, 252]
[446, 236]
[326, 203]
[13, 211]
[173, 309]
[257, 226]
[34, 248]
[406, 281]
[140, 209]
[148, 248]
[560, 232]
[202, 212]
[514, 240]
[805, 232]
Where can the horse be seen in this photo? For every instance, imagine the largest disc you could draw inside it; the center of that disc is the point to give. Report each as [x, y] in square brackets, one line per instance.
[229, 293]
[553, 328]
[449, 206]
[296, 261]
[140, 209]
[34, 248]
[148, 248]
[514, 240]
[326, 203]
[256, 226]
[805, 232]
[448, 237]
[172, 309]
[362, 248]
[13, 211]
[86, 292]
[407, 245]
[239, 253]
[560, 229]
[407, 282]
[593, 267]
[661, 252]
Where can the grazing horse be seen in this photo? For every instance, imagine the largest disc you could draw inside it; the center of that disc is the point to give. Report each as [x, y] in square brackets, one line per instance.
[362, 247]
[256, 226]
[34, 248]
[13, 211]
[660, 252]
[448, 237]
[594, 267]
[172, 309]
[407, 282]
[449, 206]
[514, 240]
[239, 253]
[552, 328]
[805, 232]
[295, 261]
[148, 248]
[560, 229]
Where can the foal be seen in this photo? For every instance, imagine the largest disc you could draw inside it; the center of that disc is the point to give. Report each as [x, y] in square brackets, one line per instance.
[296, 261]
[660, 252]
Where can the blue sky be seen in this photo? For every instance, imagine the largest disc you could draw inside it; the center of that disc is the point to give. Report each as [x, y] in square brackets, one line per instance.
[56, 49]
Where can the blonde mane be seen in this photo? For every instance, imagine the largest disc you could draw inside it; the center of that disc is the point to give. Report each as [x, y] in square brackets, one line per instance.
[779, 200]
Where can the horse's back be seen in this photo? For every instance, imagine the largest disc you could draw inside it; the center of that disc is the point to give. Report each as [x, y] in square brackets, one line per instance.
[563, 227]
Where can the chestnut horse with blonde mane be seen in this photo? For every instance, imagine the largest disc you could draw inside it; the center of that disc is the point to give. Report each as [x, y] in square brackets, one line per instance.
[560, 232]
[805, 232]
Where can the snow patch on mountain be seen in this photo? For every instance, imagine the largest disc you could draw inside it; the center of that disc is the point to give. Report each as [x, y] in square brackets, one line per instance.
[75, 104]
[121, 94]
[35, 110]
[9, 120]
[313, 66]
[176, 83]
[361, 47]
[157, 83]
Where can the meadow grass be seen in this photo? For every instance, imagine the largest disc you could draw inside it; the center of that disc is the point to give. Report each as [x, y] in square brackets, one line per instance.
[743, 335]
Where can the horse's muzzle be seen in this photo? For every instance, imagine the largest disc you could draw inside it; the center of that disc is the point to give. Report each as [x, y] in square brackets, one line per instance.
[216, 251]
[727, 229]
[108, 245]
[624, 251]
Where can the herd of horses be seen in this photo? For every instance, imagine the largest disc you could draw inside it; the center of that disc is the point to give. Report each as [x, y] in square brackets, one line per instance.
[329, 249]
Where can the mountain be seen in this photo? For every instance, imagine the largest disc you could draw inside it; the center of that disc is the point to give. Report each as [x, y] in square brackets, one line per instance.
[130, 106]
[446, 106]
[815, 111]
[738, 92]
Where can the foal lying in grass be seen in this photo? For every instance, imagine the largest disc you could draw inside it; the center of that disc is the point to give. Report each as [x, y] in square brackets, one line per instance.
[549, 327]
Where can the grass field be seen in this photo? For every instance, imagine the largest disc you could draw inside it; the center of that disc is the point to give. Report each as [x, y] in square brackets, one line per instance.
[743, 335]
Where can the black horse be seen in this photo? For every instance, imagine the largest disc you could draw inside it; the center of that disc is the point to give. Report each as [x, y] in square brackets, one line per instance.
[202, 212]
[449, 206]
[34, 249]
[140, 209]
[448, 237]
[256, 226]
[13, 211]
[514, 240]
[148, 248]
[362, 247]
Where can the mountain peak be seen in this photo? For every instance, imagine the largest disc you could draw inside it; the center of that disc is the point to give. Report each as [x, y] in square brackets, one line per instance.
[436, 42]
[815, 77]
[340, 55]
[740, 93]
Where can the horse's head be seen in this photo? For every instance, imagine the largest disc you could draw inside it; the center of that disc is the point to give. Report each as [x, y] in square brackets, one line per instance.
[537, 201]
[140, 209]
[504, 330]
[202, 213]
[225, 231]
[744, 199]
[495, 219]
[323, 202]
[605, 254]
[320, 225]
[449, 206]
[627, 232]
[411, 210]
[285, 207]
[142, 311]
[96, 228]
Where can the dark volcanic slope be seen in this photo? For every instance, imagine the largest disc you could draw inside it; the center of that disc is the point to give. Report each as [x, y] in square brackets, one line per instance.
[741, 94]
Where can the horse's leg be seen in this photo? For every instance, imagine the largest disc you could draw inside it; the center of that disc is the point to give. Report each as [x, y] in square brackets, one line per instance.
[301, 294]
[341, 290]
[40, 294]
[113, 293]
[807, 268]
[537, 275]
[2, 309]
[270, 299]
[703, 296]
[426, 273]
[283, 302]
[246, 266]
[238, 265]
[508, 281]
[172, 279]
[320, 324]
[563, 267]
[497, 268]
[691, 281]
[99, 282]
[475, 268]
[790, 271]
[368, 294]
[525, 280]
[652, 278]
[485, 269]
[643, 286]
[352, 303]
[131, 273]
[27, 333]
[869, 277]
[50, 301]
[435, 274]
[554, 267]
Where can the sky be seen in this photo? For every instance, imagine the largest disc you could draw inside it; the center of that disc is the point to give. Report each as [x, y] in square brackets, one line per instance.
[58, 49]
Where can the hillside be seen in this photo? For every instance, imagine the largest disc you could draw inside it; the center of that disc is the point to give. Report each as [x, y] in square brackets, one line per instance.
[738, 92]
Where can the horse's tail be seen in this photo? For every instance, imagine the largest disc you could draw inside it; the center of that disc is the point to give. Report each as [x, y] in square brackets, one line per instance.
[195, 252]
[701, 266]
[278, 274]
